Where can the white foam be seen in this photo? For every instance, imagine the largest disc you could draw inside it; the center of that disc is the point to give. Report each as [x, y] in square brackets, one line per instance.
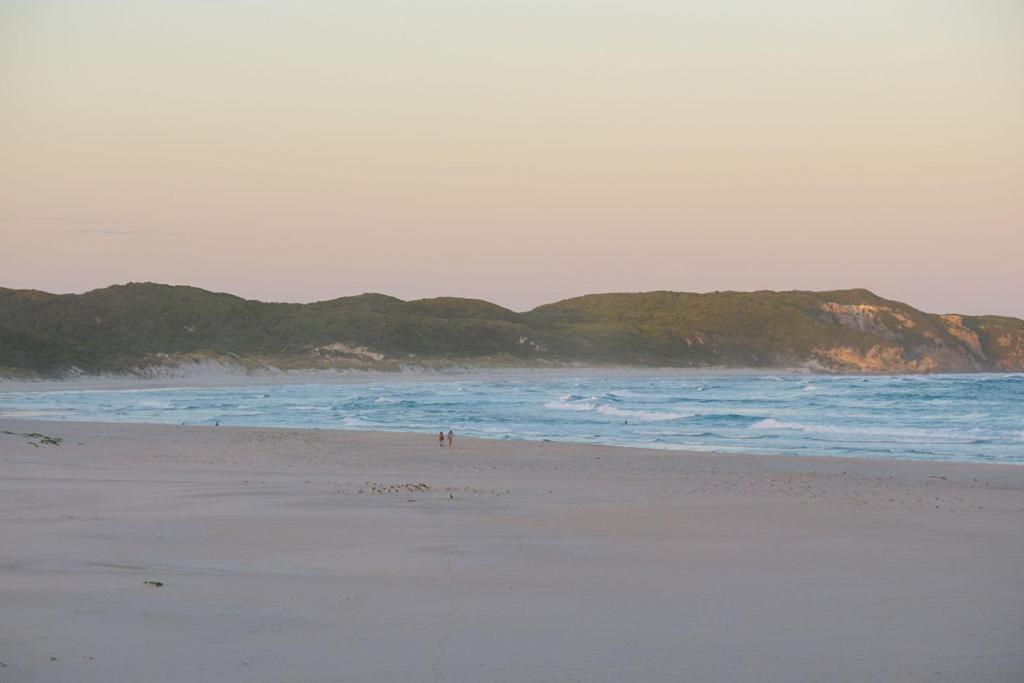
[153, 403]
[357, 422]
[641, 415]
[572, 402]
[772, 423]
[567, 405]
[930, 435]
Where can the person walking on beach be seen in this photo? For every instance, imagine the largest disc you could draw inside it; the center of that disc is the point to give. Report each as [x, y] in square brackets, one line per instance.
[440, 439]
[451, 436]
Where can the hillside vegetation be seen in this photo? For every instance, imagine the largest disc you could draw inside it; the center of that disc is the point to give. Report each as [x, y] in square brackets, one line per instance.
[136, 327]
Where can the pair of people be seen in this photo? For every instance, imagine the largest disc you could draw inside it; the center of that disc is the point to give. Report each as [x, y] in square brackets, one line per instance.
[441, 438]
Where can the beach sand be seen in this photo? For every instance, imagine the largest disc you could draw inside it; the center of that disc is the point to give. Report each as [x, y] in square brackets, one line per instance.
[310, 555]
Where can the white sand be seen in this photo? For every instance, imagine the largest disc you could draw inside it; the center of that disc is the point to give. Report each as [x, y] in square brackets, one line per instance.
[521, 562]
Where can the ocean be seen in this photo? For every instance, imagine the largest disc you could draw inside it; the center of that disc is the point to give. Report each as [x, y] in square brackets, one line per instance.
[969, 418]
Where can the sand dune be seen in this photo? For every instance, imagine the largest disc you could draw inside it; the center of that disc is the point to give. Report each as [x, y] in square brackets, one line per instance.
[291, 555]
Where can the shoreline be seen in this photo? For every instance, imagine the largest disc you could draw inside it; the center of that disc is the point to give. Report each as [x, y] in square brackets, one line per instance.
[684, 451]
[752, 458]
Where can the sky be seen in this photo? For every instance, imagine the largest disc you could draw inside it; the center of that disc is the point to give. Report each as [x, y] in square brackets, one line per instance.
[517, 151]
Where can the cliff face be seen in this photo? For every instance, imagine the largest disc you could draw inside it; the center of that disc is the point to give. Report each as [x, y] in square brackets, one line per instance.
[140, 326]
[914, 342]
[1001, 340]
[954, 343]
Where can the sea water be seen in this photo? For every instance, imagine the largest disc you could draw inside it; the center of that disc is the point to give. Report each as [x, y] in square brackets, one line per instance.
[973, 418]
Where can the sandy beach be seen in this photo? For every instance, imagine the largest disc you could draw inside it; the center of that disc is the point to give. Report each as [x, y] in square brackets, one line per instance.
[309, 555]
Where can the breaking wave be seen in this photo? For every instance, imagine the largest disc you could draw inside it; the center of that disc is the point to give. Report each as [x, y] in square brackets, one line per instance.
[641, 415]
[975, 418]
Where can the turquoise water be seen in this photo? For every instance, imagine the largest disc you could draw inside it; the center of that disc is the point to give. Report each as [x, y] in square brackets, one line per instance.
[976, 418]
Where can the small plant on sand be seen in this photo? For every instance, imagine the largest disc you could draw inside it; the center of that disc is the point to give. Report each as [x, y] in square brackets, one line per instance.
[43, 438]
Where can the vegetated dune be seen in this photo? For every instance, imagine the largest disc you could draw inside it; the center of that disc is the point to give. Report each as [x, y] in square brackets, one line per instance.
[139, 327]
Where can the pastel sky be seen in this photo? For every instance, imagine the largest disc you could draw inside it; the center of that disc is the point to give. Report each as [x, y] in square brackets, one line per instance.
[519, 151]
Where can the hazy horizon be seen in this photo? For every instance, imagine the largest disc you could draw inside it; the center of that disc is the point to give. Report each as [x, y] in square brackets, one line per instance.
[518, 152]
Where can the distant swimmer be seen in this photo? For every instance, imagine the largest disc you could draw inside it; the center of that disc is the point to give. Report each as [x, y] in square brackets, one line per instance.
[440, 439]
[451, 436]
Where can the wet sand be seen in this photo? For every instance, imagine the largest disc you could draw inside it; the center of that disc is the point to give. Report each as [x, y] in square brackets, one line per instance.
[309, 555]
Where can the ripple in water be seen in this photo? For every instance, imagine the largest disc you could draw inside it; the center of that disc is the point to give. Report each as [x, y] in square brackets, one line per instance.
[977, 418]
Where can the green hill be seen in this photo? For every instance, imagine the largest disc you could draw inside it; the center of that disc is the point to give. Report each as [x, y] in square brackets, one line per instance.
[129, 328]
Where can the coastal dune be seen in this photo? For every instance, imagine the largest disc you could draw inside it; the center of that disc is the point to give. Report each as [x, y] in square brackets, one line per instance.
[174, 553]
